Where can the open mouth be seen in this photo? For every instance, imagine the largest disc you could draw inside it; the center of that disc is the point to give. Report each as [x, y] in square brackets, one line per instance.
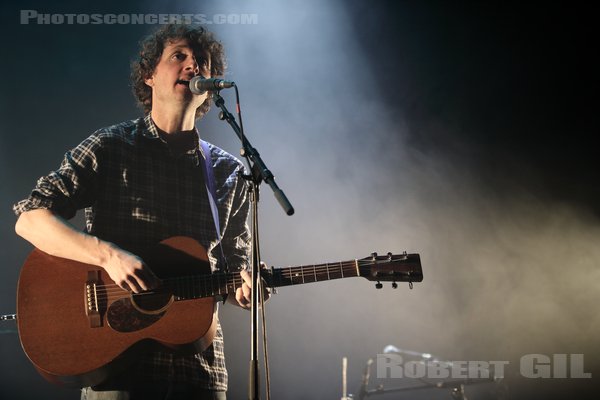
[182, 82]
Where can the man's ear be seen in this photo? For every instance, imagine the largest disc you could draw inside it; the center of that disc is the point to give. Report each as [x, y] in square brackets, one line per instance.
[149, 81]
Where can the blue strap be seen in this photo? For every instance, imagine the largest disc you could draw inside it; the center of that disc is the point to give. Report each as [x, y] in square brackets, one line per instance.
[209, 182]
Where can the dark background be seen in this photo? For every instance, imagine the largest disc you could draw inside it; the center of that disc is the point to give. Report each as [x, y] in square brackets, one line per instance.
[460, 130]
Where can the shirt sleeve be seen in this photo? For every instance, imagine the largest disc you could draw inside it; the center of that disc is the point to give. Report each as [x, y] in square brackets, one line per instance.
[236, 238]
[72, 186]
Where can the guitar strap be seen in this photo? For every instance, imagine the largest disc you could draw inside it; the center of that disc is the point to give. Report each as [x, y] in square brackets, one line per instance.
[209, 182]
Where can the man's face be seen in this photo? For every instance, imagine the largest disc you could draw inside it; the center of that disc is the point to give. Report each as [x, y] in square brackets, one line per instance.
[177, 63]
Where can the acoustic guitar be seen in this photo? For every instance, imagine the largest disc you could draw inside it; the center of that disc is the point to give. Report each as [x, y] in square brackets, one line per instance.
[77, 326]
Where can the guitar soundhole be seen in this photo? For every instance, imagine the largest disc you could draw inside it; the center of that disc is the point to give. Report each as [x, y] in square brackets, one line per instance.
[151, 302]
[133, 314]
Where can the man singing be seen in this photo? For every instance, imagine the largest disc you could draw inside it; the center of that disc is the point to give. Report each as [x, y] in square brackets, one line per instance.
[141, 182]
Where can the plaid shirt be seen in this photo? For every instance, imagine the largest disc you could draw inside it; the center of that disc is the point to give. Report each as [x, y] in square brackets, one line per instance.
[136, 192]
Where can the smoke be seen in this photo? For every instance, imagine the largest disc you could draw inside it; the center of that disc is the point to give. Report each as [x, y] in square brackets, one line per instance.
[507, 272]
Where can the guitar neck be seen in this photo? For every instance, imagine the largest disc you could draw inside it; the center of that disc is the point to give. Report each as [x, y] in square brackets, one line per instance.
[193, 287]
[311, 273]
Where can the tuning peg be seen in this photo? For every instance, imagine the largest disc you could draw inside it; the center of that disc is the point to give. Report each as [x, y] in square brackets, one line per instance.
[389, 256]
[378, 285]
[374, 256]
[394, 285]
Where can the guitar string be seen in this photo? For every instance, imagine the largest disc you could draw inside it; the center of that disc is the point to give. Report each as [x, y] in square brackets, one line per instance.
[202, 284]
[287, 273]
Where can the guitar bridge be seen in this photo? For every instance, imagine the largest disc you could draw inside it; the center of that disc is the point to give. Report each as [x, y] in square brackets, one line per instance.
[92, 306]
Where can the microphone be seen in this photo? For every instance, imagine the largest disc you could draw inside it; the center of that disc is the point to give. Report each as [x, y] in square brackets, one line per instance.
[394, 350]
[199, 85]
[425, 357]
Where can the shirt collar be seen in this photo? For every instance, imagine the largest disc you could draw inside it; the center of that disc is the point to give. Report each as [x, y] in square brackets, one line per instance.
[151, 132]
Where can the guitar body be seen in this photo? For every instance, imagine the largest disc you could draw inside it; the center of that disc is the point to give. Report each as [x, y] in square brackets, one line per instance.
[77, 336]
[78, 327]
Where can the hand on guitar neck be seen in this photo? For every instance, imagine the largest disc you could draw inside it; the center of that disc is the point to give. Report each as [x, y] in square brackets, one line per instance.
[243, 295]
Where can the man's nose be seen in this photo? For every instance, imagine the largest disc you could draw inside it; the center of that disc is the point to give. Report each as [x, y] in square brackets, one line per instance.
[193, 65]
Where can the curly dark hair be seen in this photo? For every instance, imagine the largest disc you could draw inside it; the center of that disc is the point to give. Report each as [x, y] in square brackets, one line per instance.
[199, 39]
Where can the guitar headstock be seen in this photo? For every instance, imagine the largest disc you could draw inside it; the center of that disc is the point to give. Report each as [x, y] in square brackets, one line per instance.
[391, 268]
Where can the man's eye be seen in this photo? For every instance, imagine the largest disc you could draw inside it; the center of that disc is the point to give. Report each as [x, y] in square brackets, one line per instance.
[179, 56]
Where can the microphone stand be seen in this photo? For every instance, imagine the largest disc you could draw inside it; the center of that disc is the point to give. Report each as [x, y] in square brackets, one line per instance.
[258, 173]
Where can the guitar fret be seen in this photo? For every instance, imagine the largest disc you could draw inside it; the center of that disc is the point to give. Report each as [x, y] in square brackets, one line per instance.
[199, 286]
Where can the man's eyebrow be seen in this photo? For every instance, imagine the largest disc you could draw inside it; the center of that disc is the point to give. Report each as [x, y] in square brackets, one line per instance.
[202, 55]
[179, 47]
